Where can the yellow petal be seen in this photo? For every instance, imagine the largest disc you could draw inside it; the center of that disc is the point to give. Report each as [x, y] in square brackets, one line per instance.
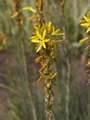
[35, 41]
[44, 34]
[33, 17]
[85, 39]
[33, 37]
[49, 26]
[55, 32]
[46, 40]
[82, 21]
[39, 48]
[36, 28]
[29, 8]
[50, 23]
[88, 63]
[88, 30]
[86, 18]
[38, 34]
[51, 54]
[85, 24]
[15, 15]
[88, 47]
[54, 75]
[88, 14]
[38, 59]
[40, 79]
[44, 45]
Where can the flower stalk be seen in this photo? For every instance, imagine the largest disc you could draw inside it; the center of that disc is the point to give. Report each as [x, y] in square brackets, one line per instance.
[19, 23]
[45, 38]
[62, 4]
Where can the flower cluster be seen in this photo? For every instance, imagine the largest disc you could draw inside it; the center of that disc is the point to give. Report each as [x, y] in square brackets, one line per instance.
[85, 22]
[45, 38]
[44, 35]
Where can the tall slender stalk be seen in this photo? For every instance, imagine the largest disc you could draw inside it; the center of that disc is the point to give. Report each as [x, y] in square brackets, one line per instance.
[46, 66]
[26, 79]
[62, 3]
[19, 26]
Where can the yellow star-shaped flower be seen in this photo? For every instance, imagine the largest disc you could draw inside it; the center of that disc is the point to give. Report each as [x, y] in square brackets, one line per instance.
[45, 34]
[86, 22]
[40, 39]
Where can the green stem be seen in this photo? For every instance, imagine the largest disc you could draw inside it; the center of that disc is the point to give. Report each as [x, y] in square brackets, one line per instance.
[18, 7]
[67, 63]
[7, 65]
[26, 79]
[89, 106]
[67, 89]
[8, 88]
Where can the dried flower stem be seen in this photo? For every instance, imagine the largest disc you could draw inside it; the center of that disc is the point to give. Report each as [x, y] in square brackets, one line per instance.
[19, 25]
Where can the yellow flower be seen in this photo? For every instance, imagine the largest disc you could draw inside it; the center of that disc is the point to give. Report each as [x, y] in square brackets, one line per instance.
[41, 40]
[44, 34]
[86, 22]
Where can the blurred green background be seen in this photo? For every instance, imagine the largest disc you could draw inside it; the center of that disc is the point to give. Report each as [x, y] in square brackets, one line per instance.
[22, 100]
